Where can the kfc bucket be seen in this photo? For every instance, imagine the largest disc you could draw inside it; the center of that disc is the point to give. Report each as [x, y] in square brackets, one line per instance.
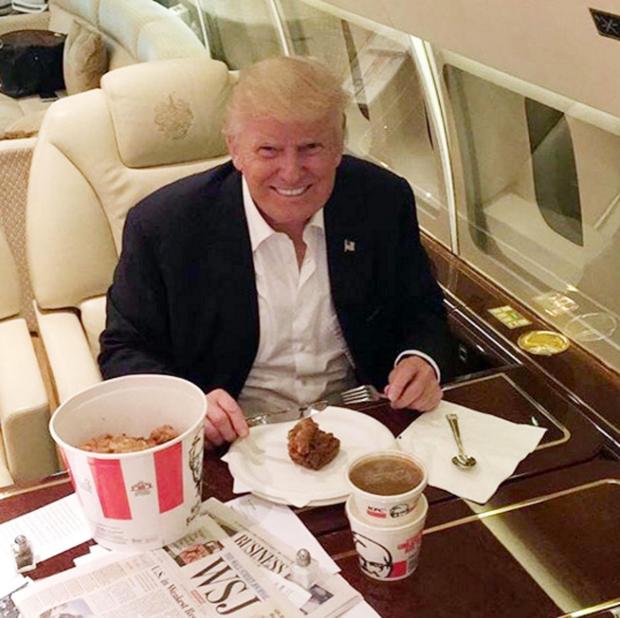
[144, 499]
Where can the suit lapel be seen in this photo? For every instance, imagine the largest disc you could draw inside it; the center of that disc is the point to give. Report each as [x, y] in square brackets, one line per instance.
[349, 250]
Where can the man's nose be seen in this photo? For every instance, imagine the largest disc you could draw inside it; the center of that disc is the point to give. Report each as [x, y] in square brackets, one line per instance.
[291, 167]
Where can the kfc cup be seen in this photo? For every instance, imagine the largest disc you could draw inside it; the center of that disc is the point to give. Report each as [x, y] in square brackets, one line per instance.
[388, 554]
[144, 499]
[386, 486]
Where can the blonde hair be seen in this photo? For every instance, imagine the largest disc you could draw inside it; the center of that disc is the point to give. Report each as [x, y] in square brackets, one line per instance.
[288, 88]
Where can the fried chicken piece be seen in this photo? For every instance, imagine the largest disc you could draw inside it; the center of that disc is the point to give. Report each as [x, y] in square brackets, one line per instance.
[163, 433]
[311, 447]
[107, 443]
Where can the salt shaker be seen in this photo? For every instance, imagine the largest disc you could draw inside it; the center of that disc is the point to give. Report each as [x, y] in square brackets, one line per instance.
[304, 571]
[23, 555]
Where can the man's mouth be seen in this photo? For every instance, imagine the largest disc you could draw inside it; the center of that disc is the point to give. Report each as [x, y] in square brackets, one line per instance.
[293, 192]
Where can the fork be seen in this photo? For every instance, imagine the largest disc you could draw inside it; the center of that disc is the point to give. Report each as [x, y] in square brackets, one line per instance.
[360, 394]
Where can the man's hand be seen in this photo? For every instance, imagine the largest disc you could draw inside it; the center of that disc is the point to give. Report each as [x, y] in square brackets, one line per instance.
[225, 421]
[413, 384]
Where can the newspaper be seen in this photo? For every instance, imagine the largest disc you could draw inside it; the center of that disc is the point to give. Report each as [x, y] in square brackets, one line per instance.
[228, 566]
[330, 595]
[203, 574]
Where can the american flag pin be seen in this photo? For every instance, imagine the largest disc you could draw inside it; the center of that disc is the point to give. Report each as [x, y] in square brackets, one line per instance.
[349, 245]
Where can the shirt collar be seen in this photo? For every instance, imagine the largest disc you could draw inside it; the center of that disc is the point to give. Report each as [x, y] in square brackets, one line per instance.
[259, 229]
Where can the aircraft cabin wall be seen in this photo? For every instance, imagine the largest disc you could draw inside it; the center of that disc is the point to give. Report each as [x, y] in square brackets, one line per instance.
[504, 117]
[554, 44]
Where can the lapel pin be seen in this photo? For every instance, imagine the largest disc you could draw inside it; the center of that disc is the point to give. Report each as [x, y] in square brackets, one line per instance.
[349, 245]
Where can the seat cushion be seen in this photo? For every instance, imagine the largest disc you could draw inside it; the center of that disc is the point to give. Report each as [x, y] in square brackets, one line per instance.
[85, 58]
[10, 111]
[25, 109]
[93, 321]
[5, 475]
[26, 126]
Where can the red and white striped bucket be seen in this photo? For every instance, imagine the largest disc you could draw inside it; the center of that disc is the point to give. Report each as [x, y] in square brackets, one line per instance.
[145, 499]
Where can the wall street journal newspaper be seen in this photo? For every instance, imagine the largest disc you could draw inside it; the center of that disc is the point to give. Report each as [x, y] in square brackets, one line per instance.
[228, 566]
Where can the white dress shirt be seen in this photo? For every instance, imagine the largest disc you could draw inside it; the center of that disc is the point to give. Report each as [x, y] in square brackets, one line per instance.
[302, 354]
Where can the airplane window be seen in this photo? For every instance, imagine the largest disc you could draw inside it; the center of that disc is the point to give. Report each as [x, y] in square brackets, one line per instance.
[239, 32]
[387, 120]
[539, 200]
[188, 12]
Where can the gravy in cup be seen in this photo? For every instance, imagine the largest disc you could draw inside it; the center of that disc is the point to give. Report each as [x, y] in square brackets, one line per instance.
[386, 475]
[386, 486]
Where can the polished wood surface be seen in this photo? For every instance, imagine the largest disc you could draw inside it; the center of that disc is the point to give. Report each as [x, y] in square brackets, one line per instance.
[575, 373]
[567, 518]
[546, 544]
[534, 558]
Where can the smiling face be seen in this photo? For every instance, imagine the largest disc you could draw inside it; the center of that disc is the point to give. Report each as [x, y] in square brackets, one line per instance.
[290, 167]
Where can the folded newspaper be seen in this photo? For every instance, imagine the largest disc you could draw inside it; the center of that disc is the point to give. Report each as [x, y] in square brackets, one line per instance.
[227, 566]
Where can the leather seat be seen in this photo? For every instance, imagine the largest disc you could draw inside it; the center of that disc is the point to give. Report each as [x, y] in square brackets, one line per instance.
[27, 451]
[98, 154]
[134, 31]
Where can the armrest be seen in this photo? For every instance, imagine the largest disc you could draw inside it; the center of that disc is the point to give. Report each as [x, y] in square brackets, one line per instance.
[68, 352]
[24, 408]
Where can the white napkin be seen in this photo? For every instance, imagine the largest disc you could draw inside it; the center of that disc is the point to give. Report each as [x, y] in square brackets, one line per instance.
[498, 446]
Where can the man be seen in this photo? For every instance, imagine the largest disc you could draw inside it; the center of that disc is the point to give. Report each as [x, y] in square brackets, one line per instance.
[289, 273]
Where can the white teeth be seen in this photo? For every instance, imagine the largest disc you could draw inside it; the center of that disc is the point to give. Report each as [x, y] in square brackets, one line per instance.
[291, 192]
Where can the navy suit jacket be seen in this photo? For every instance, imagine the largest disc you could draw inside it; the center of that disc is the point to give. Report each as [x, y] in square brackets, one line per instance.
[184, 301]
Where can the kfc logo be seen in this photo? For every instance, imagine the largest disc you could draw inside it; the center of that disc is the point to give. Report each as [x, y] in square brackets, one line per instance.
[399, 510]
[373, 511]
[410, 545]
[142, 488]
[375, 559]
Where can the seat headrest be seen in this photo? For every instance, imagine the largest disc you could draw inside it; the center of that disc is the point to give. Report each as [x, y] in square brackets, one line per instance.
[170, 111]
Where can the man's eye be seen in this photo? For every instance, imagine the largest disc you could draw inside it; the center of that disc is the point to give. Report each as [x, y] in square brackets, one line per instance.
[267, 151]
[313, 147]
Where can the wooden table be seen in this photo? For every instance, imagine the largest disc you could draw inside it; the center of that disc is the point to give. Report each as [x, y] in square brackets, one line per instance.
[545, 545]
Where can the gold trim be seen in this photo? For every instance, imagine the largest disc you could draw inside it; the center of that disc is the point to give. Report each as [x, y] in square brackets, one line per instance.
[565, 432]
[594, 609]
[344, 554]
[14, 490]
[519, 505]
[500, 511]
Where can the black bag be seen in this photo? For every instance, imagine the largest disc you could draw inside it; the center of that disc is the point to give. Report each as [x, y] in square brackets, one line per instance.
[31, 63]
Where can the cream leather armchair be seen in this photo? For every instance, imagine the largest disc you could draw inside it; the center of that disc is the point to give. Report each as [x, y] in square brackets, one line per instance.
[97, 155]
[134, 31]
[27, 451]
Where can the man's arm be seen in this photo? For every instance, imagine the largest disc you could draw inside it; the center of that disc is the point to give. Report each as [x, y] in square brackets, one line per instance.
[414, 381]
[137, 340]
[137, 337]
[423, 320]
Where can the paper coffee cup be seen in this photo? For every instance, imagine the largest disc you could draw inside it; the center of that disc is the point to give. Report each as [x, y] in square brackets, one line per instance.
[144, 499]
[392, 509]
[388, 554]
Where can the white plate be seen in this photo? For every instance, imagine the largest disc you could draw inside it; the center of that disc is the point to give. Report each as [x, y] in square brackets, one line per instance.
[328, 502]
[261, 460]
